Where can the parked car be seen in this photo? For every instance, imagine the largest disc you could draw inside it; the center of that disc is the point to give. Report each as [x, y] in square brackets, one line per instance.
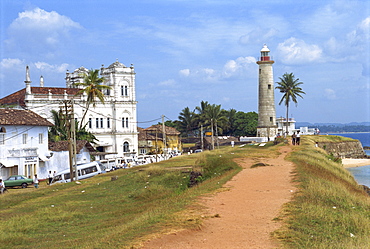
[198, 150]
[18, 180]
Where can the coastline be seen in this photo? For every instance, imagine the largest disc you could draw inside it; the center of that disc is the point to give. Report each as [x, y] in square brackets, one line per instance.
[351, 162]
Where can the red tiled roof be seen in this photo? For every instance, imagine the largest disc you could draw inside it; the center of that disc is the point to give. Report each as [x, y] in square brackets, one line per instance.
[19, 96]
[22, 117]
[63, 146]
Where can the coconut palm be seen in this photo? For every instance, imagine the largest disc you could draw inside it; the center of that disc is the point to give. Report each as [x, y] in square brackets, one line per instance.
[290, 87]
[213, 115]
[187, 121]
[93, 88]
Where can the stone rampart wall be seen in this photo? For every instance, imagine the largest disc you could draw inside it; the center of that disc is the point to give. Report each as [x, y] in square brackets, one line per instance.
[347, 149]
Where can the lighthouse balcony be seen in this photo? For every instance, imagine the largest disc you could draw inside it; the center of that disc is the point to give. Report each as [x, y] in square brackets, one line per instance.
[265, 58]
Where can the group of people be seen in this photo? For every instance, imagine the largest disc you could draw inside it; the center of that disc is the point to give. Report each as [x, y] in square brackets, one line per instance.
[296, 138]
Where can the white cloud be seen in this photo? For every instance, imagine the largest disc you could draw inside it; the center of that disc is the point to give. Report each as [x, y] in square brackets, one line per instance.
[39, 19]
[330, 94]
[39, 30]
[170, 82]
[43, 66]
[11, 63]
[184, 72]
[233, 67]
[295, 51]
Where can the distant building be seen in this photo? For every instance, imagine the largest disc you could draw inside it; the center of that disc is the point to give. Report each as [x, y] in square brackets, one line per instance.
[114, 123]
[23, 143]
[151, 140]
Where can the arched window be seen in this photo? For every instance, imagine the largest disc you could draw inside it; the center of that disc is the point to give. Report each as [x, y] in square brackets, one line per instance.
[2, 129]
[126, 147]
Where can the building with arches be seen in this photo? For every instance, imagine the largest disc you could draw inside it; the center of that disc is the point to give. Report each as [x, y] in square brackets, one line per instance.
[114, 123]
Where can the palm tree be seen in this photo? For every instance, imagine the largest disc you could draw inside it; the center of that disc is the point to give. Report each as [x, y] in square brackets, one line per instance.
[290, 87]
[93, 89]
[187, 121]
[230, 124]
[202, 110]
[213, 115]
[59, 131]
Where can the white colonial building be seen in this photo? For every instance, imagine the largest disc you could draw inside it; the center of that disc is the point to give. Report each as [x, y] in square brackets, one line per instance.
[114, 123]
[23, 143]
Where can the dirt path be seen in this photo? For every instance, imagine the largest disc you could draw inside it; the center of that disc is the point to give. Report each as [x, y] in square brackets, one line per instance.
[246, 211]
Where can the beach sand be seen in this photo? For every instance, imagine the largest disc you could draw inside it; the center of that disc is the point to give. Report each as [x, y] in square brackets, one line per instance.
[350, 162]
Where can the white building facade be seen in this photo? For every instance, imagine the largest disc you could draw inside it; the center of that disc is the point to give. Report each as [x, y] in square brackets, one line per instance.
[114, 123]
[23, 143]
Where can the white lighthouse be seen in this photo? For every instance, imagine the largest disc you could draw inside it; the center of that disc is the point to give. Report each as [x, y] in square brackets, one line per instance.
[266, 101]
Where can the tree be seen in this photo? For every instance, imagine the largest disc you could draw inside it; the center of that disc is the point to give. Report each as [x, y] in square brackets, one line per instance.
[202, 111]
[93, 89]
[229, 126]
[59, 132]
[246, 123]
[213, 117]
[290, 87]
[187, 123]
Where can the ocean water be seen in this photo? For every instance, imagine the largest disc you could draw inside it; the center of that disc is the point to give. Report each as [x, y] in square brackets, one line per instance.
[361, 174]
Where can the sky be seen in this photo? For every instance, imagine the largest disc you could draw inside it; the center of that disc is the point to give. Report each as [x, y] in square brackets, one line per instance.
[186, 51]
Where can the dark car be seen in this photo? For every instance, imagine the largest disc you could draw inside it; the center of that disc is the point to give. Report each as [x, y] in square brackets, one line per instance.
[18, 180]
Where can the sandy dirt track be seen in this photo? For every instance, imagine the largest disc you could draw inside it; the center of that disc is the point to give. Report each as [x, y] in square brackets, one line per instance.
[246, 211]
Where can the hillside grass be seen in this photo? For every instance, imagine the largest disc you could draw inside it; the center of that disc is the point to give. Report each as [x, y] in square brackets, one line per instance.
[100, 213]
[330, 210]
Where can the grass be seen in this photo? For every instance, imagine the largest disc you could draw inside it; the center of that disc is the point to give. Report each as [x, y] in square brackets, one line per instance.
[330, 210]
[100, 213]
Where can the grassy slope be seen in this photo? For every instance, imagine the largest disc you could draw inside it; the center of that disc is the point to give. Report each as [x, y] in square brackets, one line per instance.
[100, 213]
[330, 210]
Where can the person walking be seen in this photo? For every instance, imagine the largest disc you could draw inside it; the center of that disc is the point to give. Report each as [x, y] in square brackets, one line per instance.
[36, 181]
[294, 139]
[50, 177]
[2, 186]
[298, 138]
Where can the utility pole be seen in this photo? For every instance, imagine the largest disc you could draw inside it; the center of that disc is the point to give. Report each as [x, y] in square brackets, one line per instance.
[164, 138]
[201, 136]
[212, 138]
[71, 132]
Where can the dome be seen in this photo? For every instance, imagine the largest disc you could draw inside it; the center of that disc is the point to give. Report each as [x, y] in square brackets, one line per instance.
[265, 48]
[116, 64]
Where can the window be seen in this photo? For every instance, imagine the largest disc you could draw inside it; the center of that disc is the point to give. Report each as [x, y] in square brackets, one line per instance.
[126, 147]
[108, 122]
[90, 123]
[126, 122]
[24, 138]
[126, 91]
[97, 122]
[260, 71]
[271, 119]
[123, 122]
[269, 86]
[122, 90]
[142, 151]
[41, 138]
[101, 123]
[108, 92]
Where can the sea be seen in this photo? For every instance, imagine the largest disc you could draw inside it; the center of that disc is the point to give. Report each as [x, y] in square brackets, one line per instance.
[361, 174]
